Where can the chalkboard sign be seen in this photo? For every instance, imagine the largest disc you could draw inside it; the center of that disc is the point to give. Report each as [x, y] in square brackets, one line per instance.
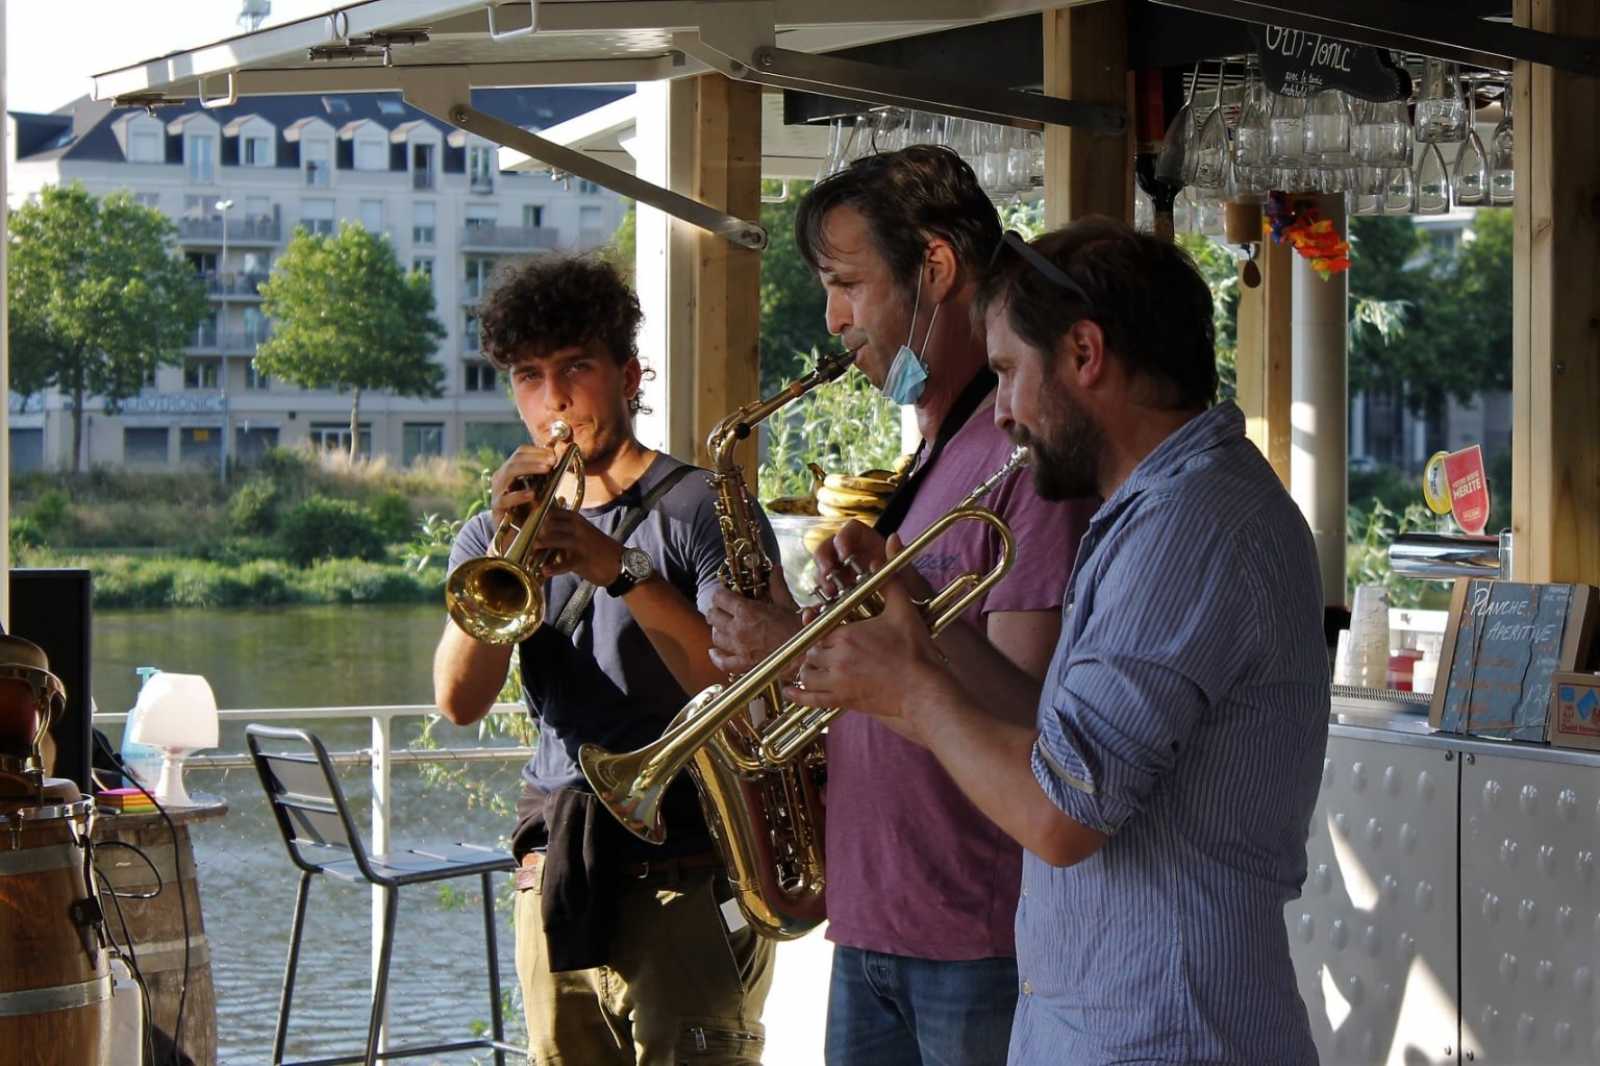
[1299, 63]
[1505, 643]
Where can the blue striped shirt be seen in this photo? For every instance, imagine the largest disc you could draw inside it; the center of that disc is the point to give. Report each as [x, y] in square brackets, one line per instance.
[1185, 715]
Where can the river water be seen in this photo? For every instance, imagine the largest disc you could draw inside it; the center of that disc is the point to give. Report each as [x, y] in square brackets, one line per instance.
[303, 657]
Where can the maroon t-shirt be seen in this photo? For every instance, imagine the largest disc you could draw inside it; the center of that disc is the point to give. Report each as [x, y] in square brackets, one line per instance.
[913, 867]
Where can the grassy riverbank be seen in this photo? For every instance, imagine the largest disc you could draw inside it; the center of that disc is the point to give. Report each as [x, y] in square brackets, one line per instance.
[300, 528]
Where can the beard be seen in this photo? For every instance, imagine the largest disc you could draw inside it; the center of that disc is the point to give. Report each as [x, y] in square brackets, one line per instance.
[1067, 452]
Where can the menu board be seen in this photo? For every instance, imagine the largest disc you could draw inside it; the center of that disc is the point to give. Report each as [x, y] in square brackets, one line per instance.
[1301, 63]
[1505, 643]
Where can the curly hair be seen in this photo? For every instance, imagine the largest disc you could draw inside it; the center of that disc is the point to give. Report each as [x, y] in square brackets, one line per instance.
[559, 300]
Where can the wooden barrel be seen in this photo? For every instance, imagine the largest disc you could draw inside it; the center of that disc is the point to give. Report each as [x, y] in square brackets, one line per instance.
[55, 986]
[157, 924]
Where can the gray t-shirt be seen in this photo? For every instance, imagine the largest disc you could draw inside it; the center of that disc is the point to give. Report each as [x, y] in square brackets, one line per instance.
[606, 685]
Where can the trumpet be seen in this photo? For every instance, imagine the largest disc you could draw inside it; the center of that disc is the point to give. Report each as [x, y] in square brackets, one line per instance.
[632, 784]
[499, 598]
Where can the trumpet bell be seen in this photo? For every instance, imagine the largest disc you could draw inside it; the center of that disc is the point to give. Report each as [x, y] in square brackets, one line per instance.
[494, 600]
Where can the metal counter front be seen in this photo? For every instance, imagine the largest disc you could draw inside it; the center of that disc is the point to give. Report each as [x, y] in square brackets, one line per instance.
[1451, 911]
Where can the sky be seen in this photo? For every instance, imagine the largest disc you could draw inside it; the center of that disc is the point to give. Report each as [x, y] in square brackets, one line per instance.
[53, 47]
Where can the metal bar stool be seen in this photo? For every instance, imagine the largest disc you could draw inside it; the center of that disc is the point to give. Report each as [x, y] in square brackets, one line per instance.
[322, 838]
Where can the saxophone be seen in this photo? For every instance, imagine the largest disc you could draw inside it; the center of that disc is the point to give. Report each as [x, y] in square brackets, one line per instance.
[767, 822]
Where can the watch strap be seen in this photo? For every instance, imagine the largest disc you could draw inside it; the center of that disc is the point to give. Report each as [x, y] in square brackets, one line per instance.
[567, 622]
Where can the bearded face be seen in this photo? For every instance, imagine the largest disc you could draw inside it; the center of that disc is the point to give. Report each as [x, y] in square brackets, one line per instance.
[1067, 447]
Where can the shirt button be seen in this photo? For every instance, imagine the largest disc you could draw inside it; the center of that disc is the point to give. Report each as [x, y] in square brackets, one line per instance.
[1027, 989]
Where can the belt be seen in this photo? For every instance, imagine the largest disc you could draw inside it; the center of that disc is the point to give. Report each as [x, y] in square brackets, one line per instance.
[657, 871]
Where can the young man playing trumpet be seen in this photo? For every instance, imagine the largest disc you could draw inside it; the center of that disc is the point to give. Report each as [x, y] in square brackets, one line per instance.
[1165, 786]
[922, 887]
[623, 950]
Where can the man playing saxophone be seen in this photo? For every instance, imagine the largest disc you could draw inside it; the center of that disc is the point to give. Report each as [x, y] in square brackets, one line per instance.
[921, 887]
[623, 948]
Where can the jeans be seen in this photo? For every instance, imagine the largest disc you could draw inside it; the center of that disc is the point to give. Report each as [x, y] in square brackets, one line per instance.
[892, 1010]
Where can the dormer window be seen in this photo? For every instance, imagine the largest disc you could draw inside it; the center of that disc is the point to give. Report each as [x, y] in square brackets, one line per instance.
[200, 153]
[372, 153]
[255, 151]
[318, 159]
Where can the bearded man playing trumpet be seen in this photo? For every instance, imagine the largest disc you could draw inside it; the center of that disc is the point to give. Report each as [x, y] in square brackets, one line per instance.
[623, 948]
[921, 885]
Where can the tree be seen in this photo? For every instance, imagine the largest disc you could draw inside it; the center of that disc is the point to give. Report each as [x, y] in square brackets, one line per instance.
[99, 297]
[345, 316]
[792, 301]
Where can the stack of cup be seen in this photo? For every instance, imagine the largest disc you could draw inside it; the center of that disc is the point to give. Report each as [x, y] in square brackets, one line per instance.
[1368, 658]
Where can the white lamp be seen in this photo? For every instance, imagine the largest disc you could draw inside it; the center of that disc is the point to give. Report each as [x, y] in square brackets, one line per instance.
[178, 714]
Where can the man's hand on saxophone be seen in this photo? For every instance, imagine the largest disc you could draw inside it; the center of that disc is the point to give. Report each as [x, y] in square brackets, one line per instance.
[745, 630]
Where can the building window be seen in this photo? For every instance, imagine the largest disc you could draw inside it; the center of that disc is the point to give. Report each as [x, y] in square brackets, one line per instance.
[372, 154]
[480, 378]
[469, 337]
[152, 200]
[421, 439]
[391, 107]
[503, 437]
[317, 216]
[335, 436]
[255, 379]
[256, 151]
[201, 373]
[480, 168]
[479, 270]
[252, 443]
[200, 446]
[318, 162]
[591, 227]
[481, 219]
[422, 166]
[201, 153]
[423, 264]
[336, 105]
[423, 218]
[588, 188]
[144, 146]
[145, 446]
[256, 329]
[532, 215]
[372, 215]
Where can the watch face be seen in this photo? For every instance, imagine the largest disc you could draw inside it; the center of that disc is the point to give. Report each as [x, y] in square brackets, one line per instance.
[637, 564]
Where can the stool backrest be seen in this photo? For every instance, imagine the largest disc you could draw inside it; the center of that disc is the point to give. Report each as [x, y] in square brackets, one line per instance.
[310, 808]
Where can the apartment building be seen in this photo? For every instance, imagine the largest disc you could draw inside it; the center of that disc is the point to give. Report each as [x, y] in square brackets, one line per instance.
[237, 181]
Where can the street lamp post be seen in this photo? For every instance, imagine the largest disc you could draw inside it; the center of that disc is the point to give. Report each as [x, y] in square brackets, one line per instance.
[222, 333]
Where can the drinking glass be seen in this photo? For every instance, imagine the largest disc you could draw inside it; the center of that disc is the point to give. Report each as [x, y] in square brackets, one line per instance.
[1441, 114]
[1250, 137]
[1472, 162]
[962, 136]
[1286, 136]
[1381, 136]
[1372, 183]
[1203, 159]
[1019, 161]
[1327, 125]
[1400, 198]
[1432, 181]
[992, 160]
[1502, 168]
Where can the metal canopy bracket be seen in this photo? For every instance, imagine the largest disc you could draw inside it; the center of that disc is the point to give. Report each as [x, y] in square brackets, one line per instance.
[1411, 28]
[451, 101]
[746, 51]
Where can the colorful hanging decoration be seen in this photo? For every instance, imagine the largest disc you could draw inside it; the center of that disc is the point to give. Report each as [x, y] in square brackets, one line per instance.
[1315, 238]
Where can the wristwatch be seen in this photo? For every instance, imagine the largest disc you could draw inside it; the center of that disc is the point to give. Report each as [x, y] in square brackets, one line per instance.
[636, 569]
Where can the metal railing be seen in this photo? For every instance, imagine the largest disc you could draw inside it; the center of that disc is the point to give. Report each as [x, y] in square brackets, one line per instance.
[479, 235]
[381, 756]
[243, 283]
[264, 228]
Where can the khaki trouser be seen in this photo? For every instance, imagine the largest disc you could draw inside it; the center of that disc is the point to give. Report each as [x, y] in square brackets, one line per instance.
[680, 988]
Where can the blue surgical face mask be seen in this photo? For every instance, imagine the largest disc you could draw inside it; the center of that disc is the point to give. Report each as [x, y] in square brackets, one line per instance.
[908, 374]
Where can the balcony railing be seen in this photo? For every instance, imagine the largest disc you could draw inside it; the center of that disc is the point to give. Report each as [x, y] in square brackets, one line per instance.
[422, 179]
[203, 340]
[246, 340]
[498, 238]
[264, 229]
[483, 183]
[235, 284]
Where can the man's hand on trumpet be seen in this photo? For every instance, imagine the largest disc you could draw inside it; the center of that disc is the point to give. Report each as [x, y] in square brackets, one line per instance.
[579, 548]
[874, 665]
[508, 491]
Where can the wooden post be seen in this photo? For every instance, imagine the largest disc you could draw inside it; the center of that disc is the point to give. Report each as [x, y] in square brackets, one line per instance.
[1086, 59]
[1265, 358]
[1555, 512]
[727, 279]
